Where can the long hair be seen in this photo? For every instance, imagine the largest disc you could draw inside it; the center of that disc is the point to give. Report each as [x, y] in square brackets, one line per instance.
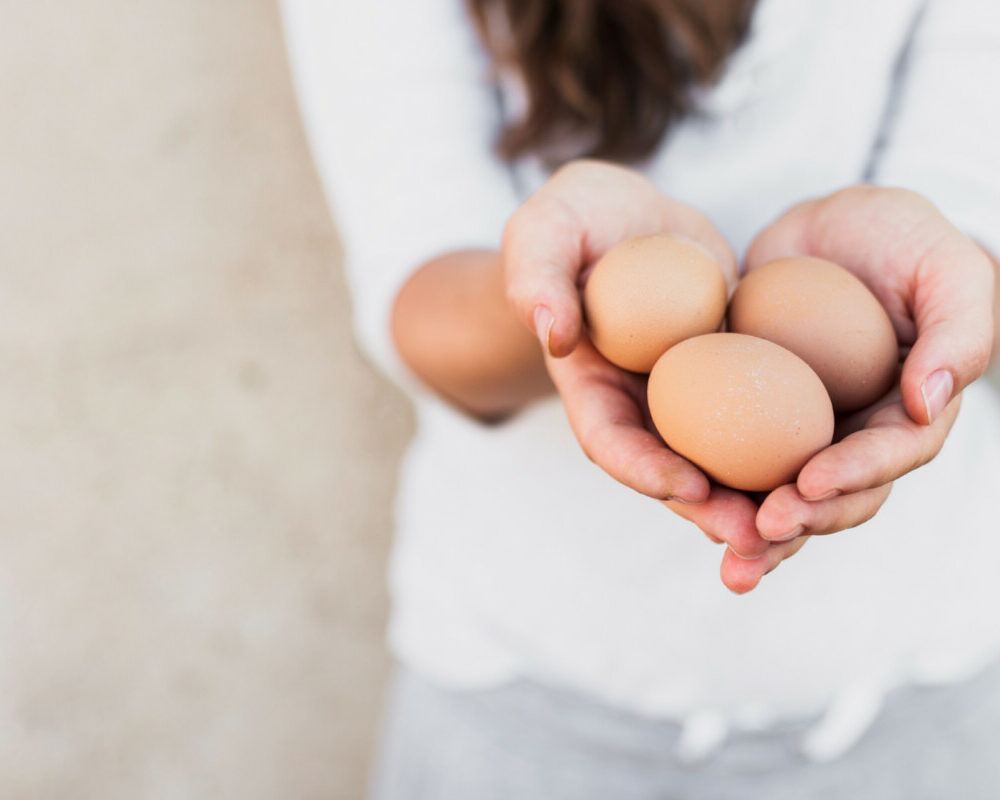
[606, 78]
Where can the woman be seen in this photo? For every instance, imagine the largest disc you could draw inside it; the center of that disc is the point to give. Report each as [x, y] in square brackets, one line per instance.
[558, 630]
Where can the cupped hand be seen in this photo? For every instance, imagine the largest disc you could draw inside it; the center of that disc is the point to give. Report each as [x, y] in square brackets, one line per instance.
[549, 244]
[937, 286]
[581, 212]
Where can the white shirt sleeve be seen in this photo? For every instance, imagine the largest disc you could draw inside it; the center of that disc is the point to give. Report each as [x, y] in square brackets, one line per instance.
[400, 115]
[942, 138]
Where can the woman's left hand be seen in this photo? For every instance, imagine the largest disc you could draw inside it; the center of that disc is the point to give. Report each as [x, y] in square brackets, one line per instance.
[938, 288]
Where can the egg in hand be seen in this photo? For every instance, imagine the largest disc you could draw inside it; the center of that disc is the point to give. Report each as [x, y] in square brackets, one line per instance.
[825, 315]
[746, 411]
[647, 294]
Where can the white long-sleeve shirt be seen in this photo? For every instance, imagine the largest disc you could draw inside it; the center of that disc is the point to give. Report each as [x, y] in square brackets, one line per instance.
[514, 555]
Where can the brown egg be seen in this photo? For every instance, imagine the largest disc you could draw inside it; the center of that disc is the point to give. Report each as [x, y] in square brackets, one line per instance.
[828, 317]
[746, 411]
[649, 293]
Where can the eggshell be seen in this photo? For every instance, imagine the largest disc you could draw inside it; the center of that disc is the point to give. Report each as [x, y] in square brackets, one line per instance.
[827, 316]
[746, 411]
[646, 294]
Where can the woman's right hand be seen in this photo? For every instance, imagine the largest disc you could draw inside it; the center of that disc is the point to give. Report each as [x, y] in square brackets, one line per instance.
[549, 244]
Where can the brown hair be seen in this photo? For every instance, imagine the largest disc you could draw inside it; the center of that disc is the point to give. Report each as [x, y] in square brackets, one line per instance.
[606, 78]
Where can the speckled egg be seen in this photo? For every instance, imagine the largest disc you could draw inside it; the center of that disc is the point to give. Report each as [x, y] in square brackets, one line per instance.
[646, 294]
[746, 411]
[828, 317]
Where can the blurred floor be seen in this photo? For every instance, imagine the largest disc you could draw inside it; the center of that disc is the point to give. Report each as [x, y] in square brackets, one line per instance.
[196, 465]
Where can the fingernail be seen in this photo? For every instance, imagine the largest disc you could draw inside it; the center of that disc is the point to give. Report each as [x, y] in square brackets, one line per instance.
[797, 531]
[543, 326]
[828, 496]
[937, 391]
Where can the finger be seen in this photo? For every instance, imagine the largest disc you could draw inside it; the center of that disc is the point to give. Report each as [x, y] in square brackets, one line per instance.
[726, 516]
[586, 208]
[955, 328]
[785, 515]
[741, 575]
[541, 252]
[632, 455]
[608, 422]
[891, 445]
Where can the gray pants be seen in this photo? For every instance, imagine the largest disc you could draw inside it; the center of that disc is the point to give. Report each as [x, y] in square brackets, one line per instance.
[524, 741]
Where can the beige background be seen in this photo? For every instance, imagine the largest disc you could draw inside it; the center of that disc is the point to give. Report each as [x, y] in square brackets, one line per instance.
[196, 465]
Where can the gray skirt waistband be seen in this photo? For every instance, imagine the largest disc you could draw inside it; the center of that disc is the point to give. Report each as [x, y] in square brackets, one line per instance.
[528, 741]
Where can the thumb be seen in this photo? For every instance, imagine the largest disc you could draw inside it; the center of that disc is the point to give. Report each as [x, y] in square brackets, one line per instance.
[954, 330]
[542, 256]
